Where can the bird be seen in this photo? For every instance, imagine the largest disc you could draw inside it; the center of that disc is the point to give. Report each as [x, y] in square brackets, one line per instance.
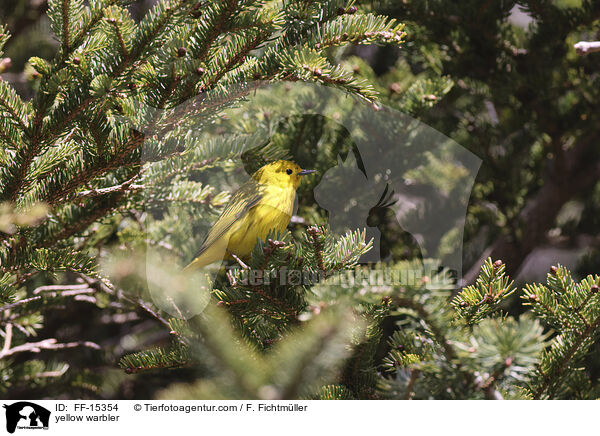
[263, 204]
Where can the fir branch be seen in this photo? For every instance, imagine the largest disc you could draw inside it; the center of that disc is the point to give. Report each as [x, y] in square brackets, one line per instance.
[237, 57]
[216, 29]
[85, 175]
[23, 161]
[208, 34]
[22, 302]
[4, 37]
[255, 20]
[357, 29]
[157, 20]
[42, 259]
[552, 379]
[58, 127]
[8, 139]
[11, 103]
[475, 302]
[437, 331]
[94, 15]
[562, 304]
[176, 357]
[307, 64]
[91, 128]
[97, 210]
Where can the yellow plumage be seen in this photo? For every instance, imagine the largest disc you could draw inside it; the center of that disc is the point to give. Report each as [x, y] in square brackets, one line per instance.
[264, 203]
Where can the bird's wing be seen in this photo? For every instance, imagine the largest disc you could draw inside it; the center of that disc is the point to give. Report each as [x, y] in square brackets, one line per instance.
[244, 199]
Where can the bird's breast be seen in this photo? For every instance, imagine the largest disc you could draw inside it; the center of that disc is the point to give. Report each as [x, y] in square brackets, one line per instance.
[279, 199]
[274, 210]
[272, 213]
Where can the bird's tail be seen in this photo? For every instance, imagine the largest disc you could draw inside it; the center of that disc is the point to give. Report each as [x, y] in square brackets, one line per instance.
[195, 264]
[211, 254]
[182, 295]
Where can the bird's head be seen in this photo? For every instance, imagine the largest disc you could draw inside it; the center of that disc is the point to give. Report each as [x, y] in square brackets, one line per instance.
[281, 173]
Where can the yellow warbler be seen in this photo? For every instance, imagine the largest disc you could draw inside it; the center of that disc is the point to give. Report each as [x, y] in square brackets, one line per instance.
[263, 203]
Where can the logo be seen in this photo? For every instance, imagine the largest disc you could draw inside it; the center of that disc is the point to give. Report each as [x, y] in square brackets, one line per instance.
[26, 415]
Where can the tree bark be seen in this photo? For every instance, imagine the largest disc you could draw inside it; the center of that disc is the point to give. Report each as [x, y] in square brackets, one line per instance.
[570, 173]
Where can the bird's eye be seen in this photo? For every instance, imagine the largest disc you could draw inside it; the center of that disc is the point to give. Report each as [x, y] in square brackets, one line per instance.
[289, 172]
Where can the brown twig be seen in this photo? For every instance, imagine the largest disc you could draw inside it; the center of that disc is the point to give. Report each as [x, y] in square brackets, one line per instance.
[20, 303]
[414, 375]
[488, 385]
[120, 39]
[314, 232]
[426, 317]
[55, 288]
[108, 288]
[123, 187]
[586, 47]
[7, 339]
[46, 344]
[238, 260]
[65, 24]
[61, 291]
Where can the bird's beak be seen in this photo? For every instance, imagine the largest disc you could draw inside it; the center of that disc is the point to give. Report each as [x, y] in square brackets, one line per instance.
[305, 172]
